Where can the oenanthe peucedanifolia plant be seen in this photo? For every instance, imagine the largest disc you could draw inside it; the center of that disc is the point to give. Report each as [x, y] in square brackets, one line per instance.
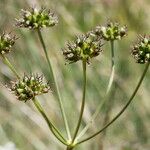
[84, 48]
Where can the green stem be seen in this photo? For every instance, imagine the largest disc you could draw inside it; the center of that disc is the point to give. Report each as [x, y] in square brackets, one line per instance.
[110, 93]
[111, 79]
[122, 110]
[83, 100]
[55, 84]
[6, 61]
[50, 124]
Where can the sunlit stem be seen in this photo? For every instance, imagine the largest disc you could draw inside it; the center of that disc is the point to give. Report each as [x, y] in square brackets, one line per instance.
[51, 126]
[55, 84]
[122, 110]
[111, 79]
[83, 100]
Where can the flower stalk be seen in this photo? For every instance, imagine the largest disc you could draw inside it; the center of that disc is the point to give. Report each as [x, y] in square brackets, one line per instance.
[122, 110]
[111, 79]
[11, 67]
[52, 127]
[55, 84]
[112, 67]
[111, 32]
[83, 100]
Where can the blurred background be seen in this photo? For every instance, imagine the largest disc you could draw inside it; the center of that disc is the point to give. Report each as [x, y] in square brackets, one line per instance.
[22, 127]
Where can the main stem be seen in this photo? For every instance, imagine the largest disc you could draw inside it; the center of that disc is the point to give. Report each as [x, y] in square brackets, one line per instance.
[123, 109]
[110, 93]
[111, 79]
[69, 148]
[55, 84]
[50, 124]
[83, 100]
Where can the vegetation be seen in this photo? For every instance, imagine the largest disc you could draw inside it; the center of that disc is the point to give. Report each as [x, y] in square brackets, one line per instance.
[110, 82]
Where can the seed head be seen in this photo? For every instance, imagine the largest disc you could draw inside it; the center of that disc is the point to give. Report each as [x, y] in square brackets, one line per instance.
[141, 51]
[37, 19]
[28, 87]
[112, 31]
[84, 47]
[6, 42]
